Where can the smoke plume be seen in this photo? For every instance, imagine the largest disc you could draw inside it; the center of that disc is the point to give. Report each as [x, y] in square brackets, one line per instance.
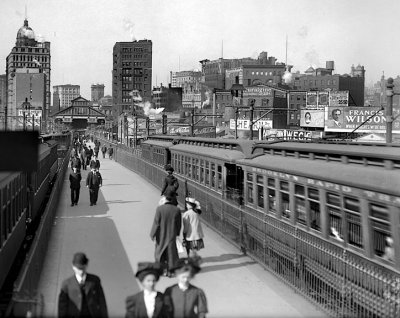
[129, 26]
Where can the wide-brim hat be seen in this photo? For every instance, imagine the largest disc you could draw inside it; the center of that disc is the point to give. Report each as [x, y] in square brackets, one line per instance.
[146, 268]
[193, 202]
[80, 260]
[184, 264]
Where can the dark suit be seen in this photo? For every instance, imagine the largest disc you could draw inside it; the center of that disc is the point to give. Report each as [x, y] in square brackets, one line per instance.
[93, 182]
[136, 308]
[70, 302]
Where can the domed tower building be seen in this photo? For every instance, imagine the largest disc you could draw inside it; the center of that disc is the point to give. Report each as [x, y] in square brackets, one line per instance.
[28, 80]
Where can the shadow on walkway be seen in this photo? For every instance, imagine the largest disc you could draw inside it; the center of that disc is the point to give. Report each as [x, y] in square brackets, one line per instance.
[222, 258]
[214, 268]
[120, 201]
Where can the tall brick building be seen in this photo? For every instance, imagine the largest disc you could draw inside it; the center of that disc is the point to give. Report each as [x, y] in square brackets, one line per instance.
[132, 70]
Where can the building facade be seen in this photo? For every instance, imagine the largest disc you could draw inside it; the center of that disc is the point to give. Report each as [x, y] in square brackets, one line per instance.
[97, 92]
[27, 57]
[3, 98]
[64, 94]
[169, 98]
[132, 70]
[213, 72]
[192, 88]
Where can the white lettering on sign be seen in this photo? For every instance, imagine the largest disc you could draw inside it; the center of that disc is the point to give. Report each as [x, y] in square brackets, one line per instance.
[257, 91]
[287, 134]
[244, 124]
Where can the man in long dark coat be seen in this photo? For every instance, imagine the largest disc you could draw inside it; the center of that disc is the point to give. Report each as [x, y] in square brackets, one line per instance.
[171, 184]
[166, 227]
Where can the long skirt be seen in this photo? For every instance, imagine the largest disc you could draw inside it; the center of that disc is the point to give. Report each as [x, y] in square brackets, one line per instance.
[195, 245]
[170, 256]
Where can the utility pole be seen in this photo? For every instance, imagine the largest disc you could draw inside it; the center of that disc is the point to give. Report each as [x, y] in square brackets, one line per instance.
[389, 109]
[251, 117]
[236, 119]
[192, 123]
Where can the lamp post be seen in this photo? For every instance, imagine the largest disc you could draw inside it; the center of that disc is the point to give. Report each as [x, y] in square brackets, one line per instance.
[389, 109]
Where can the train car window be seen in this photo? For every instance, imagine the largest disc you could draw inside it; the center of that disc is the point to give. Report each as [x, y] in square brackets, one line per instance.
[202, 171]
[333, 199]
[260, 191]
[196, 169]
[300, 204]
[299, 190]
[315, 211]
[207, 166]
[250, 198]
[219, 174]
[284, 186]
[353, 219]
[381, 232]
[213, 175]
[271, 195]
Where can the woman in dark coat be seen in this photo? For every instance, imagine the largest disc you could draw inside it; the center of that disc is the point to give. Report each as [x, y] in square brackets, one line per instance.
[148, 302]
[166, 227]
[185, 299]
[171, 184]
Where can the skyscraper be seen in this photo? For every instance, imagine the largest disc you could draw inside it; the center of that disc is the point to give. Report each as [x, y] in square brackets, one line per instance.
[63, 95]
[97, 92]
[28, 75]
[132, 69]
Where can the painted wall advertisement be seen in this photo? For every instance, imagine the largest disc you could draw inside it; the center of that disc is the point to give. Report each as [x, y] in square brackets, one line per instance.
[244, 124]
[204, 131]
[340, 98]
[257, 91]
[312, 118]
[319, 100]
[287, 134]
[346, 119]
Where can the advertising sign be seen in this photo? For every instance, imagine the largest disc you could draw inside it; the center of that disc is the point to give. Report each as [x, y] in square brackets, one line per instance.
[203, 131]
[340, 98]
[311, 100]
[323, 99]
[257, 91]
[30, 113]
[287, 134]
[346, 119]
[312, 118]
[244, 124]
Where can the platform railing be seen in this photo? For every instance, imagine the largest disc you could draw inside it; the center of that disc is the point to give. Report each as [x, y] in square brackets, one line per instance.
[337, 280]
[26, 301]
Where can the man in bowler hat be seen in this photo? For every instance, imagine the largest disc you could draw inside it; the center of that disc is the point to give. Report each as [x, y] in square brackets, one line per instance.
[82, 294]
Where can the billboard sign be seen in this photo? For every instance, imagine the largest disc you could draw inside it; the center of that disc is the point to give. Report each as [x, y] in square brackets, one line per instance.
[30, 112]
[312, 118]
[257, 91]
[338, 99]
[323, 99]
[311, 100]
[244, 124]
[287, 134]
[346, 119]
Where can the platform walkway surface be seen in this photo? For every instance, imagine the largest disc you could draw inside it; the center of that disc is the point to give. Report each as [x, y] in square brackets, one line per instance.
[115, 236]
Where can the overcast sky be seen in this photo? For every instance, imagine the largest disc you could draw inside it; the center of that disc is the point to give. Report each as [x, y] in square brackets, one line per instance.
[83, 32]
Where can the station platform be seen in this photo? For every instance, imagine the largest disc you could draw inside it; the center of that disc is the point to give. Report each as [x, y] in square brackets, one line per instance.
[114, 234]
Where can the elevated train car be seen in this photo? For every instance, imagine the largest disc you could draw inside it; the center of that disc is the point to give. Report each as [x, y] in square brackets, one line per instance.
[21, 197]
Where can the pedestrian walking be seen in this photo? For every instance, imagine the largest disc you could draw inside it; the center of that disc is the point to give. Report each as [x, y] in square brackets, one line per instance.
[82, 295]
[148, 302]
[166, 227]
[94, 181]
[76, 162]
[192, 230]
[89, 154]
[75, 185]
[110, 152]
[104, 150]
[83, 158]
[96, 150]
[171, 184]
[95, 163]
[185, 299]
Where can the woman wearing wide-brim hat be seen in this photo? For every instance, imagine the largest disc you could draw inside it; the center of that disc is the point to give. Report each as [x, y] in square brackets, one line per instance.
[192, 230]
[148, 302]
[185, 299]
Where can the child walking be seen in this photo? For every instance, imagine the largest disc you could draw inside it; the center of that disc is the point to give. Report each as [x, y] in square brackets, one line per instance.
[192, 231]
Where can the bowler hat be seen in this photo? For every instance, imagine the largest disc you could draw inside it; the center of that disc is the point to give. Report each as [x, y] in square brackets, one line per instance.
[80, 260]
[187, 264]
[146, 268]
[169, 194]
[168, 167]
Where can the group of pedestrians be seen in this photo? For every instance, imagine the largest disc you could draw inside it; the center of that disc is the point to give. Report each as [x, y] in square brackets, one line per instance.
[87, 157]
[82, 294]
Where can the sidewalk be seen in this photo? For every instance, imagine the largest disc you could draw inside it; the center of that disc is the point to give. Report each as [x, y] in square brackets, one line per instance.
[115, 236]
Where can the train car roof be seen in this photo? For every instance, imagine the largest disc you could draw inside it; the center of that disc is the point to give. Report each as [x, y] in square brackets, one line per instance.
[226, 155]
[159, 143]
[371, 178]
[359, 150]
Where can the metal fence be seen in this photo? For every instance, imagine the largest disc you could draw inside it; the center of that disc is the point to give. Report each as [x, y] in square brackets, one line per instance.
[26, 300]
[340, 282]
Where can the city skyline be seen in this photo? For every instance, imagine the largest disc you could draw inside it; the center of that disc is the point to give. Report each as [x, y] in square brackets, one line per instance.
[82, 34]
